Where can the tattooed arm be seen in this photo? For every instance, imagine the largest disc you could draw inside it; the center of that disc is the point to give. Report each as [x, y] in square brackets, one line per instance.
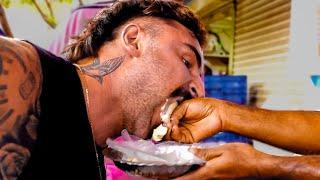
[20, 80]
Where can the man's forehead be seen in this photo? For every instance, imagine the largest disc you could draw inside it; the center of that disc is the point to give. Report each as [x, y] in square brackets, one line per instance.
[182, 32]
[189, 39]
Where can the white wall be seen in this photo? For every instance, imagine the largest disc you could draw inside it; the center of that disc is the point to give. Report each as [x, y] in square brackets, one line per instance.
[303, 61]
[303, 51]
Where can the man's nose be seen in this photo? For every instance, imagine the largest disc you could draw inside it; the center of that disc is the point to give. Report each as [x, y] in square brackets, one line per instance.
[196, 87]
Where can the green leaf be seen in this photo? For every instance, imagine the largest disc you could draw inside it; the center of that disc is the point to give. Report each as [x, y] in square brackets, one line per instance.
[26, 1]
[65, 1]
[52, 21]
[5, 3]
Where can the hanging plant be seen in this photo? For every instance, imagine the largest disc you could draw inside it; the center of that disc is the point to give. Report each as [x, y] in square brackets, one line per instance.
[45, 9]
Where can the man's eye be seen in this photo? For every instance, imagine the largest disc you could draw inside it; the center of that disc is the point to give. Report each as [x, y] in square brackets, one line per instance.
[187, 63]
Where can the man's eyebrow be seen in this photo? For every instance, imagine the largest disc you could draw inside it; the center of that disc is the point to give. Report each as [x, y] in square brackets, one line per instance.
[196, 52]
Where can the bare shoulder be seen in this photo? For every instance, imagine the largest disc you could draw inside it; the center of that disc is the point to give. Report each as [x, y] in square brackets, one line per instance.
[20, 88]
[19, 62]
[18, 44]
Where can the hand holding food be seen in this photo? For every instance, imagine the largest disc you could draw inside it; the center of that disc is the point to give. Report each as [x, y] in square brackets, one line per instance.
[196, 119]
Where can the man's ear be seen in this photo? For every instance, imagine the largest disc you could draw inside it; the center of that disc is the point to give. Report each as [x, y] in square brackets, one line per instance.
[130, 39]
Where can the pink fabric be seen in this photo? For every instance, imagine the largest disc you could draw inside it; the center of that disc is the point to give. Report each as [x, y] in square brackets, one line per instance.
[114, 173]
[76, 23]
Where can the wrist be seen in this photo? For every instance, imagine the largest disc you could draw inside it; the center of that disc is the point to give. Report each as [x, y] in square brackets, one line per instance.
[239, 118]
[225, 114]
[270, 166]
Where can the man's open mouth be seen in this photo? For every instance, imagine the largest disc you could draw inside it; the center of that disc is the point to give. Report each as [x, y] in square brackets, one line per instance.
[182, 93]
[176, 98]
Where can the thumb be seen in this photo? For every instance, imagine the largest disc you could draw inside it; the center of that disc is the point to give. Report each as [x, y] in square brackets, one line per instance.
[207, 154]
[179, 113]
[180, 134]
[173, 125]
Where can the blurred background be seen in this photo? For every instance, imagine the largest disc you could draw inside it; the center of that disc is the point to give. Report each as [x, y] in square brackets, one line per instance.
[262, 53]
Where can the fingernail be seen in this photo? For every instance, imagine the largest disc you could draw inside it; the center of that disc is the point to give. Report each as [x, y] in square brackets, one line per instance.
[175, 128]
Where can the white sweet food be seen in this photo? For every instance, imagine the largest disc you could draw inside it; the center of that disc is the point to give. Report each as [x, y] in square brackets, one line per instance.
[159, 133]
[166, 112]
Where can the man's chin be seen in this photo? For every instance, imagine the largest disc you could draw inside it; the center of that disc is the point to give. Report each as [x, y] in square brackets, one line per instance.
[142, 134]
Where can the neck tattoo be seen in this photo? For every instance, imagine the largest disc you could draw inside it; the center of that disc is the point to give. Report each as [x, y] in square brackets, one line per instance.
[98, 69]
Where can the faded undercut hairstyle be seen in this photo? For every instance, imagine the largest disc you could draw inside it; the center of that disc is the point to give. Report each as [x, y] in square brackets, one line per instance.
[103, 26]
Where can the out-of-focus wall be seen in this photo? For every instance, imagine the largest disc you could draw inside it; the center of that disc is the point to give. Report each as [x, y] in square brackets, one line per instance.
[276, 47]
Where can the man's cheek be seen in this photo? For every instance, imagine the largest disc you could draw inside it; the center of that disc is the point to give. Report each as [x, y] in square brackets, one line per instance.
[181, 76]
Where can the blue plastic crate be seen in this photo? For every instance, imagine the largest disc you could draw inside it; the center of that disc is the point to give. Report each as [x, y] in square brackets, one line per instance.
[228, 137]
[215, 94]
[229, 88]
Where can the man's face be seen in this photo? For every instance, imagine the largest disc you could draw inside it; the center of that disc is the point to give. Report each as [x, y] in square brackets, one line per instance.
[170, 65]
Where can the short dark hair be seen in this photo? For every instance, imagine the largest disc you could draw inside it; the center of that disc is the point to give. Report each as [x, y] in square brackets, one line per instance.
[101, 28]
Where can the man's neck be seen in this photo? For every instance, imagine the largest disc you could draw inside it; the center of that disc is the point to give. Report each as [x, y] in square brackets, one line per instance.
[105, 120]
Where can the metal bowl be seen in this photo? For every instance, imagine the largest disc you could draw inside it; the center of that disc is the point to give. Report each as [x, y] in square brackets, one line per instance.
[162, 171]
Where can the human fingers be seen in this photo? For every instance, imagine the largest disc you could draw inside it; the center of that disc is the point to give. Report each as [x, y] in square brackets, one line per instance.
[207, 154]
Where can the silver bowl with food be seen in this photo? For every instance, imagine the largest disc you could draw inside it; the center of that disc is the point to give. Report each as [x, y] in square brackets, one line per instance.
[149, 159]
